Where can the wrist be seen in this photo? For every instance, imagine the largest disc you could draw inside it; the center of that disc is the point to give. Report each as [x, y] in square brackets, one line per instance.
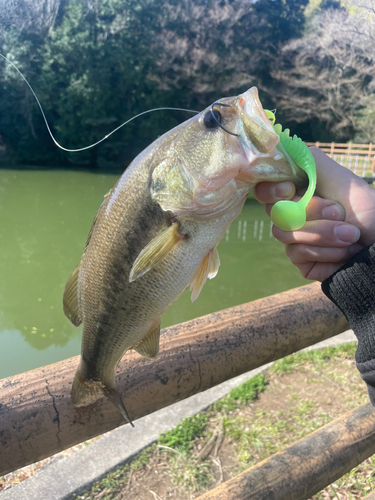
[352, 289]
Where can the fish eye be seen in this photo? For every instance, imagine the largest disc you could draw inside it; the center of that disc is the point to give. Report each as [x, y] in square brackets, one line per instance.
[210, 121]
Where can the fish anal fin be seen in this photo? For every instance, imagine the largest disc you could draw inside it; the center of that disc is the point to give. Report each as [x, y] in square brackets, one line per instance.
[70, 299]
[149, 345]
[207, 269]
[158, 248]
[214, 264]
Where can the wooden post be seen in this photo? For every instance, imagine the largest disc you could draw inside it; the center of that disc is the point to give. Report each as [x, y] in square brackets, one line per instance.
[332, 150]
[37, 418]
[307, 466]
[373, 158]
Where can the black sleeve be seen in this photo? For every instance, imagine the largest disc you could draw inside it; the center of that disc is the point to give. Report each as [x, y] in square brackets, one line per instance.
[352, 289]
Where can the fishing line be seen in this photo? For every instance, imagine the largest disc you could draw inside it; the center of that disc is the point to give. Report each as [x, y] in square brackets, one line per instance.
[103, 138]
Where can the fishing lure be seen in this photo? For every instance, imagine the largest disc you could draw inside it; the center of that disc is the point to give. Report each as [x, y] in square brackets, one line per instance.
[285, 214]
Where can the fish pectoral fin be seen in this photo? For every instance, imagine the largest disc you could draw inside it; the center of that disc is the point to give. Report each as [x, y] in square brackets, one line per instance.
[208, 269]
[158, 248]
[149, 345]
[70, 299]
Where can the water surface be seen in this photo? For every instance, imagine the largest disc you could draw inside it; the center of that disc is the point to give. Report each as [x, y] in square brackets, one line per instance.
[45, 218]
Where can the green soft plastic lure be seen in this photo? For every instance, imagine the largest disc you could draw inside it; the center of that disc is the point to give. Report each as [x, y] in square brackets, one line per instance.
[285, 214]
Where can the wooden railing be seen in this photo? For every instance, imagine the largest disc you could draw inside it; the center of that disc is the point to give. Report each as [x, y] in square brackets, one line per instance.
[38, 419]
[359, 158]
[307, 466]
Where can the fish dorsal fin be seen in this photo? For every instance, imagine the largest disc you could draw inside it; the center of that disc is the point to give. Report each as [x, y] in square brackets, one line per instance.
[158, 248]
[109, 193]
[207, 269]
[93, 225]
[70, 299]
[149, 345]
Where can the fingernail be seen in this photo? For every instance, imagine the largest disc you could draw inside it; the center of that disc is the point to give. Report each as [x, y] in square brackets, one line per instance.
[282, 190]
[346, 233]
[333, 212]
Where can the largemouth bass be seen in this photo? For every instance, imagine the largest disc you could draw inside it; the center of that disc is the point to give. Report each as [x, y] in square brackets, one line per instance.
[157, 230]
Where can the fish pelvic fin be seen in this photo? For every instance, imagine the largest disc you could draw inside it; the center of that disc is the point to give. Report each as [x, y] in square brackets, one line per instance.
[70, 299]
[208, 269]
[158, 248]
[149, 345]
[86, 392]
[114, 396]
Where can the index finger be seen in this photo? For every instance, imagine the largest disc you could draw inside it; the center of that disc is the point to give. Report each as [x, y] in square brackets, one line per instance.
[319, 208]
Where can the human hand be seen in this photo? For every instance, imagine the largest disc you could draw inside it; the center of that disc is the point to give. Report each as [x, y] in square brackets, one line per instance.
[340, 218]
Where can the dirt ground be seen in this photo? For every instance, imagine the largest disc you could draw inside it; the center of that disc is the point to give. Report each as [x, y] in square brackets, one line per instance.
[293, 405]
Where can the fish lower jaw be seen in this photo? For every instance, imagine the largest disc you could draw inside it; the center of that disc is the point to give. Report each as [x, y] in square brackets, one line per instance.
[212, 212]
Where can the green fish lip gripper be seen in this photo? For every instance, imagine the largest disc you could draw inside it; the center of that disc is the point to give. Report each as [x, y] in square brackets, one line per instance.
[286, 214]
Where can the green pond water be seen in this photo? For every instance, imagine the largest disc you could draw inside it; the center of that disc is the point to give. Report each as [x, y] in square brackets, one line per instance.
[45, 218]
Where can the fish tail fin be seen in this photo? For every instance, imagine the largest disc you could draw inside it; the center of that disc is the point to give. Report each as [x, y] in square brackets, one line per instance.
[114, 396]
[85, 392]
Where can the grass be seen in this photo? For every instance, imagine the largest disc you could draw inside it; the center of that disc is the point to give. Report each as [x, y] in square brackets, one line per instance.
[318, 357]
[183, 436]
[243, 394]
[296, 396]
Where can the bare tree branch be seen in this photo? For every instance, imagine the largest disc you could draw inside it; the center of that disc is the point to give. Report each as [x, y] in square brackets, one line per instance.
[329, 74]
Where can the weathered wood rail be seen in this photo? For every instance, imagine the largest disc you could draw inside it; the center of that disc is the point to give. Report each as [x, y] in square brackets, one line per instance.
[37, 418]
[359, 158]
[307, 466]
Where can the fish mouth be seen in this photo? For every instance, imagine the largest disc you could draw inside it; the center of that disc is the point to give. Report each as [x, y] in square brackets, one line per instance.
[266, 159]
[256, 126]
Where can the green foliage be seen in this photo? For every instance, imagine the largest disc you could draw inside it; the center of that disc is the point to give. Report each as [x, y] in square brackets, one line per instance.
[96, 64]
[365, 121]
[182, 437]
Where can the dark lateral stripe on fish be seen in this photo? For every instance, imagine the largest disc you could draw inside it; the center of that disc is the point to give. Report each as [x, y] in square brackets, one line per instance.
[149, 218]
